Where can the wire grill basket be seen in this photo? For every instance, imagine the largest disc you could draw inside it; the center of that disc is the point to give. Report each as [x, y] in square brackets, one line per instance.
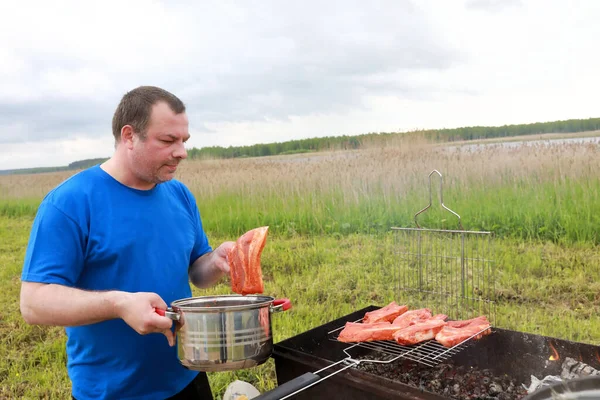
[448, 271]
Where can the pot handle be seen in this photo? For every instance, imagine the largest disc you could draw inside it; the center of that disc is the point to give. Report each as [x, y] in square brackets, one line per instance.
[281, 305]
[169, 313]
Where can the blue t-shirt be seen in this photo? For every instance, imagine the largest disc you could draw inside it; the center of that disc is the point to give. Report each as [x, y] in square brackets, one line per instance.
[94, 233]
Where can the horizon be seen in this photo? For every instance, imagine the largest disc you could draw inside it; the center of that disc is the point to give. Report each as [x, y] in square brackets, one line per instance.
[367, 133]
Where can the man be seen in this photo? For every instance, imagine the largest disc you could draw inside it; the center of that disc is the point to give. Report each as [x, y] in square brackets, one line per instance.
[112, 244]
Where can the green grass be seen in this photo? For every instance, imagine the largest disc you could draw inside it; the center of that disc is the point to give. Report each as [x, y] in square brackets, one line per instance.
[566, 211]
[18, 207]
[542, 287]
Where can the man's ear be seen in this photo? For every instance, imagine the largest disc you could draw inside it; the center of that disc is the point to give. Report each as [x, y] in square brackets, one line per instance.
[127, 135]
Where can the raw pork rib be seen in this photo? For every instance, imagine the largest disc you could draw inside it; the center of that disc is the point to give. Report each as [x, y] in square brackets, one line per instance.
[419, 332]
[412, 317]
[357, 332]
[457, 331]
[441, 317]
[465, 322]
[387, 313]
[244, 262]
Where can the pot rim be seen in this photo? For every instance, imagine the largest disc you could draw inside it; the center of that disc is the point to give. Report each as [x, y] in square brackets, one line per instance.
[252, 302]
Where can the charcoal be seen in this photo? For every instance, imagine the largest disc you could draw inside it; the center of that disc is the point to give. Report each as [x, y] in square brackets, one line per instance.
[448, 380]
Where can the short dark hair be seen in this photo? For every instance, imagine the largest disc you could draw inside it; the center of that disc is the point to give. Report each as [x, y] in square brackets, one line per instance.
[135, 108]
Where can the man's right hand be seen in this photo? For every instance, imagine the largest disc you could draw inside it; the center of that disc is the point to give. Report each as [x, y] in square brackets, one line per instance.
[58, 305]
[138, 311]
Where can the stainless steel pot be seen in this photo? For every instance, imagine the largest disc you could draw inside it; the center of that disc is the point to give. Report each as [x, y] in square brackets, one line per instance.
[223, 333]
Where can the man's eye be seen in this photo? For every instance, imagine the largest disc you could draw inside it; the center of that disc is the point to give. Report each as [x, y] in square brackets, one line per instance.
[166, 141]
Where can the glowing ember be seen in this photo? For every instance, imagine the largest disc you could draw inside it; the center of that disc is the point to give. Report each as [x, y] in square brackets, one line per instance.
[554, 356]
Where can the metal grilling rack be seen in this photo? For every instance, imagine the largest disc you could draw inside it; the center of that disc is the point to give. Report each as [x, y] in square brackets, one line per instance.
[447, 271]
[429, 353]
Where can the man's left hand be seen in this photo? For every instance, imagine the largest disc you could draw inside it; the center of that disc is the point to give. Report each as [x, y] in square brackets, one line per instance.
[209, 268]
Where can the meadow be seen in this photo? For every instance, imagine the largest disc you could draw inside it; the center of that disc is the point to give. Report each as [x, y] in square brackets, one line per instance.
[330, 247]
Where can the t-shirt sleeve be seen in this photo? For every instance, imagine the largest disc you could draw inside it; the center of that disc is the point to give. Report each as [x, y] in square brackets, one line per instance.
[201, 245]
[55, 253]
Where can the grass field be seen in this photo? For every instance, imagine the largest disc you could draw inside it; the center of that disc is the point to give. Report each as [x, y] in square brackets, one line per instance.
[330, 217]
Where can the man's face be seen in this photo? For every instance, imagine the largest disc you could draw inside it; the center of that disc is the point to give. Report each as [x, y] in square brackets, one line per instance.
[154, 158]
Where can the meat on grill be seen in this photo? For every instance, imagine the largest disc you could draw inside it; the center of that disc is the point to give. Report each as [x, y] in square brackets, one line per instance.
[465, 322]
[387, 313]
[244, 262]
[412, 317]
[419, 332]
[457, 331]
[357, 332]
[409, 327]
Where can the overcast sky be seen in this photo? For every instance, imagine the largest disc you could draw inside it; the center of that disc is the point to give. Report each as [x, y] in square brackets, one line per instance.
[271, 71]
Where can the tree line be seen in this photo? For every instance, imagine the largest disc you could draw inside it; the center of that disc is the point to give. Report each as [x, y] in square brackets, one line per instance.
[486, 132]
[355, 142]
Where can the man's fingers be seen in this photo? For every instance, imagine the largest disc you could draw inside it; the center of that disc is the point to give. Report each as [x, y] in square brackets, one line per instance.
[161, 323]
[157, 302]
[224, 266]
[170, 337]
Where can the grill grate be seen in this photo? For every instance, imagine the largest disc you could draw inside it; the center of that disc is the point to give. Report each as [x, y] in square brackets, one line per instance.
[429, 353]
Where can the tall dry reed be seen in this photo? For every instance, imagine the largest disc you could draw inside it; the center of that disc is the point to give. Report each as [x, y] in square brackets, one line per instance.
[532, 190]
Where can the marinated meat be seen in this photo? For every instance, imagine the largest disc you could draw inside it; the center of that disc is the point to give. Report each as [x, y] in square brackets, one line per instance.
[412, 317]
[387, 313]
[244, 262]
[456, 332]
[465, 322]
[441, 317]
[357, 332]
[412, 327]
[419, 332]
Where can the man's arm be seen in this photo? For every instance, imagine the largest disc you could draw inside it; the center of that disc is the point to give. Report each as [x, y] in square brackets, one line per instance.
[51, 304]
[210, 267]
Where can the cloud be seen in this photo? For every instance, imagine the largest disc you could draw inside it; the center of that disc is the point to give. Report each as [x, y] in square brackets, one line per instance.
[48, 117]
[262, 71]
[492, 5]
[228, 61]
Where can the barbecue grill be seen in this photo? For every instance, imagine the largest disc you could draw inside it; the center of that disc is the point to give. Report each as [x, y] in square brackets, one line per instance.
[450, 272]
[505, 360]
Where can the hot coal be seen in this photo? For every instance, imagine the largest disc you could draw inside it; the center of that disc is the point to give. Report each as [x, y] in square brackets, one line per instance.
[451, 381]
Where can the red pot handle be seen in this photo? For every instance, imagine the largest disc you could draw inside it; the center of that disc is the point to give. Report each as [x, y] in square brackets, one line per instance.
[285, 304]
[168, 313]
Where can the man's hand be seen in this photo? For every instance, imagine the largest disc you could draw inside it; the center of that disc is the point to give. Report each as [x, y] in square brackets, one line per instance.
[209, 268]
[138, 311]
[220, 256]
[51, 304]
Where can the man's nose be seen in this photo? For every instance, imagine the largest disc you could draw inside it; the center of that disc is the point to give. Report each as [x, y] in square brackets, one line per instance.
[180, 152]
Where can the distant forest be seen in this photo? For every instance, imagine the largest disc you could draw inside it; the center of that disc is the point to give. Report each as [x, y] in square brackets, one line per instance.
[76, 165]
[356, 142]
